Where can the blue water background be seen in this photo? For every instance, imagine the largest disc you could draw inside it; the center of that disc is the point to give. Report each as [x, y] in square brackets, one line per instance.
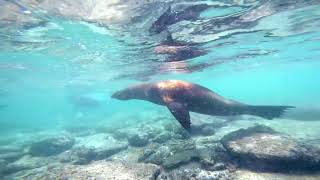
[63, 74]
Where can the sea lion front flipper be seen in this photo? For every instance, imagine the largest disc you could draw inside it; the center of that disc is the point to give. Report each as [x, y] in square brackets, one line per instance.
[180, 112]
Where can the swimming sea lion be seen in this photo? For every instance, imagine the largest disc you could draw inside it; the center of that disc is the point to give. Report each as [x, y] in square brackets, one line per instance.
[179, 53]
[170, 17]
[181, 97]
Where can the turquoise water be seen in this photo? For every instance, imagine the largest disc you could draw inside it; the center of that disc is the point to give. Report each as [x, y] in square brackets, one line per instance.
[60, 75]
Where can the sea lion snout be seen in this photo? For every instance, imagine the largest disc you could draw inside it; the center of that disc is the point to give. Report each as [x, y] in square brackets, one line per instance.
[121, 95]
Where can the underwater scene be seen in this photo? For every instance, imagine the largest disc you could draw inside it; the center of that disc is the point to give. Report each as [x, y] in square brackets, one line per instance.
[160, 89]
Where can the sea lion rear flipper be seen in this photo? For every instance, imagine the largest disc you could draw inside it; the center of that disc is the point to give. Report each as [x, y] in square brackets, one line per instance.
[180, 112]
[268, 112]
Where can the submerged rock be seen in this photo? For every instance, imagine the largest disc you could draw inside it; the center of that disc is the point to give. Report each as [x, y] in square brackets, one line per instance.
[218, 167]
[261, 148]
[138, 140]
[180, 158]
[88, 155]
[25, 163]
[9, 149]
[51, 146]
[103, 170]
[3, 165]
[175, 153]
[11, 156]
[178, 131]
[155, 156]
[139, 136]
[130, 155]
[94, 147]
[171, 155]
[163, 137]
[192, 172]
[206, 126]
[251, 175]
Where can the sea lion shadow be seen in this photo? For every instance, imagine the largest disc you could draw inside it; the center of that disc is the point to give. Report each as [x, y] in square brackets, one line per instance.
[209, 125]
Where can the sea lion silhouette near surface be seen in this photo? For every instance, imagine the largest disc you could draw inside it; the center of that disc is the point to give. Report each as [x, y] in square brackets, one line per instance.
[181, 97]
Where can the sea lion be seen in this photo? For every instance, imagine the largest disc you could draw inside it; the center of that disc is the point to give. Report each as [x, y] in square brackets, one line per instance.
[181, 97]
[170, 17]
[178, 51]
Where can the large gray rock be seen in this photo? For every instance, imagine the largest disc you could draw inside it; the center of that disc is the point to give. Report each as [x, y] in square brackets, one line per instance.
[102, 170]
[25, 163]
[138, 136]
[11, 156]
[9, 149]
[51, 146]
[252, 175]
[261, 148]
[94, 147]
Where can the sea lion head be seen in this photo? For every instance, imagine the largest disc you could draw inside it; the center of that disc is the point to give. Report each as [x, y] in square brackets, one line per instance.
[133, 92]
[125, 94]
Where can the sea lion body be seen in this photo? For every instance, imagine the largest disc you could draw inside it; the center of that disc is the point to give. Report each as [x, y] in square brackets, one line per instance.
[194, 97]
[181, 97]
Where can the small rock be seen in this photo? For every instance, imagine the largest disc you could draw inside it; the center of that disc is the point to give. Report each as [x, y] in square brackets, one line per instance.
[207, 130]
[97, 154]
[207, 163]
[146, 153]
[51, 146]
[120, 135]
[218, 167]
[138, 140]
[130, 155]
[3, 165]
[156, 156]
[151, 131]
[163, 137]
[181, 133]
[215, 175]
[172, 154]
[180, 158]
[11, 156]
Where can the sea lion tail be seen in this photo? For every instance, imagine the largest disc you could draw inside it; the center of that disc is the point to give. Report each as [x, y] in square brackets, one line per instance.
[268, 112]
